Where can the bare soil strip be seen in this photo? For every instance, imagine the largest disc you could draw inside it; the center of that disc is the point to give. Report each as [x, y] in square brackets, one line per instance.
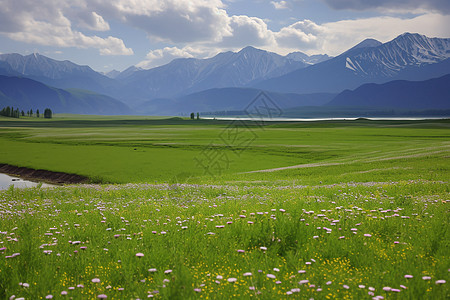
[313, 165]
[42, 175]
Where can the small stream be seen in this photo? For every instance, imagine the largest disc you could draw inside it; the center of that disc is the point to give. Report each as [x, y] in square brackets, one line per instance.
[6, 181]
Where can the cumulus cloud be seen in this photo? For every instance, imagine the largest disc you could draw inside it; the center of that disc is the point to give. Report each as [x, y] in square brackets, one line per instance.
[442, 6]
[331, 38]
[300, 35]
[92, 21]
[202, 28]
[159, 57]
[279, 4]
[175, 21]
[49, 22]
[341, 35]
[247, 31]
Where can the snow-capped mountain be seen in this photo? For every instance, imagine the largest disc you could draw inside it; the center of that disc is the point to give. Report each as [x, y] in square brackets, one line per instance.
[179, 77]
[61, 74]
[39, 65]
[127, 72]
[309, 60]
[370, 61]
[408, 57]
[227, 69]
[112, 74]
[390, 58]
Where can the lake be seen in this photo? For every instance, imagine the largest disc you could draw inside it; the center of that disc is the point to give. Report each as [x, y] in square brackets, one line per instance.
[6, 181]
[320, 119]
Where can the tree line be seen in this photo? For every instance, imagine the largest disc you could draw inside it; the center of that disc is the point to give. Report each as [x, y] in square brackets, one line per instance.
[15, 113]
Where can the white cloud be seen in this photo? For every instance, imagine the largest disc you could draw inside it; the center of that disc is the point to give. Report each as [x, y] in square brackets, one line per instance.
[279, 4]
[201, 28]
[174, 21]
[333, 38]
[412, 6]
[247, 31]
[92, 21]
[156, 58]
[341, 35]
[49, 22]
[300, 35]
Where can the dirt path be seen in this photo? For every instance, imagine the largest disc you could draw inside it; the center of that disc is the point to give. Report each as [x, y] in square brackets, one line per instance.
[314, 165]
[295, 167]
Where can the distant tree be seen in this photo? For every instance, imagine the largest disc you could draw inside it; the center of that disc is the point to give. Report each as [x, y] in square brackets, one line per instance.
[192, 116]
[37, 113]
[10, 112]
[198, 116]
[31, 112]
[22, 113]
[48, 113]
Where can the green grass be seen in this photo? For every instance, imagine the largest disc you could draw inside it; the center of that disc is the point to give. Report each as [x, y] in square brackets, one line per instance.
[370, 207]
[123, 149]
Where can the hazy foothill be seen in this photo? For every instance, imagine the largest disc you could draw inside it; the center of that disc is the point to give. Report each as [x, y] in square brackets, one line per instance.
[242, 174]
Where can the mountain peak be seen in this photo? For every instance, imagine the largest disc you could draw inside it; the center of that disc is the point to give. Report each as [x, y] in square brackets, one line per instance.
[250, 49]
[367, 43]
[309, 60]
[407, 36]
[112, 74]
[410, 34]
[297, 56]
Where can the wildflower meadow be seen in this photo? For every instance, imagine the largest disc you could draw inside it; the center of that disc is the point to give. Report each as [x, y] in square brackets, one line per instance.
[319, 210]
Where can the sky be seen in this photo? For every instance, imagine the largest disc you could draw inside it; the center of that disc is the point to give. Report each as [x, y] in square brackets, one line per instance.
[116, 34]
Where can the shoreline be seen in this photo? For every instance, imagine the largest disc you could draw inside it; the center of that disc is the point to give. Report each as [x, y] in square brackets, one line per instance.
[42, 175]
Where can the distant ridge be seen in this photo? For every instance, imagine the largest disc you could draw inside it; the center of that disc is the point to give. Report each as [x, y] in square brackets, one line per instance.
[219, 82]
[61, 74]
[399, 94]
[25, 94]
[227, 99]
[228, 69]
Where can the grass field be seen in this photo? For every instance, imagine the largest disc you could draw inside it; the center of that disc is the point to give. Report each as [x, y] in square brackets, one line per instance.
[208, 209]
[174, 150]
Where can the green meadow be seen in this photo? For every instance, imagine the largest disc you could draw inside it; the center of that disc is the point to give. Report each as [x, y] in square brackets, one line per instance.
[188, 209]
[139, 150]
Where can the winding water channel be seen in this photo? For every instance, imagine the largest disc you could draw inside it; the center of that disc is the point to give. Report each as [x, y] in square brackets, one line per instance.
[6, 181]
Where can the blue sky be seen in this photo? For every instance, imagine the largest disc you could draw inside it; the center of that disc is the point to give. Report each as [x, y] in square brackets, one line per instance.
[115, 34]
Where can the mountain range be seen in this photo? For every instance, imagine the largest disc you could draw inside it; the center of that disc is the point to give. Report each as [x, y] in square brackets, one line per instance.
[228, 69]
[368, 62]
[228, 99]
[398, 94]
[60, 74]
[26, 94]
[229, 80]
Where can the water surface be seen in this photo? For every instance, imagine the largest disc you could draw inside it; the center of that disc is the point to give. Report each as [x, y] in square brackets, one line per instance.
[6, 181]
[321, 119]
